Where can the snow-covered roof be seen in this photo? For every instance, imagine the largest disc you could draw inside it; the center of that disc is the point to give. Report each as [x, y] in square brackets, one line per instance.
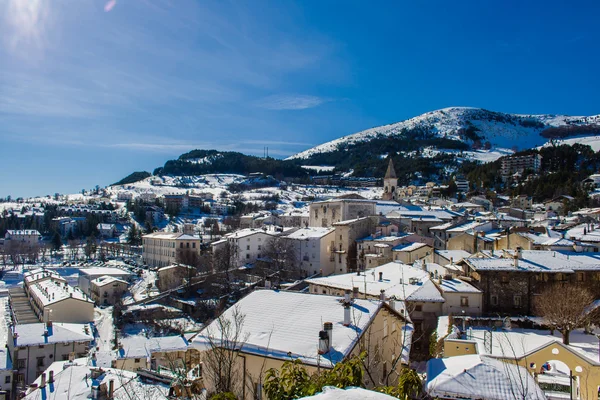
[52, 291]
[107, 280]
[401, 281]
[466, 227]
[24, 232]
[310, 233]
[101, 271]
[408, 247]
[73, 381]
[349, 221]
[351, 393]
[287, 324]
[539, 261]
[41, 274]
[455, 255]
[34, 334]
[457, 286]
[169, 236]
[139, 346]
[242, 233]
[476, 377]
[442, 227]
[516, 343]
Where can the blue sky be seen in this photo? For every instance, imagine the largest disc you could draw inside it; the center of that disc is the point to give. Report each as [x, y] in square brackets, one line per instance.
[91, 90]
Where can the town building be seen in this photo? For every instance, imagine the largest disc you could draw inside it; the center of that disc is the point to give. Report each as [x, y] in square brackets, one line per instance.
[165, 248]
[108, 290]
[76, 379]
[473, 377]
[520, 164]
[408, 253]
[21, 240]
[87, 275]
[318, 331]
[33, 347]
[512, 279]
[313, 249]
[324, 214]
[173, 276]
[154, 353]
[390, 183]
[107, 231]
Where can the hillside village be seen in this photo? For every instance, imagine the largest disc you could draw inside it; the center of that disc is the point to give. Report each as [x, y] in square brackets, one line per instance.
[183, 287]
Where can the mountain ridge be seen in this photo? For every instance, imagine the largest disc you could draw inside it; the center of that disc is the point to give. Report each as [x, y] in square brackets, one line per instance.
[467, 125]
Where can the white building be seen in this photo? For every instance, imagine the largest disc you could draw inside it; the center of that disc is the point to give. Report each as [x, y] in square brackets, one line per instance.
[76, 380]
[33, 347]
[248, 245]
[151, 353]
[21, 239]
[312, 248]
[107, 230]
[107, 290]
[87, 275]
[166, 248]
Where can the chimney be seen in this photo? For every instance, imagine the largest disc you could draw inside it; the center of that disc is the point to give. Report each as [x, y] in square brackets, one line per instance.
[51, 376]
[393, 303]
[380, 276]
[423, 265]
[347, 314]
[452, 260]
[267, 283]
[111, 389]
[347, 296]
[519, 252]
[355, 292]
[382, 295]
[43, 383]
[323, 342]
[328, 328]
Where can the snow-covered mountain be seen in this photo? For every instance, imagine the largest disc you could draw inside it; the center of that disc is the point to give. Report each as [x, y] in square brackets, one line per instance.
[465, 124]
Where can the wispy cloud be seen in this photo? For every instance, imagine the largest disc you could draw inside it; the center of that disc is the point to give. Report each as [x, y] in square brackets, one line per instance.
[290, 102]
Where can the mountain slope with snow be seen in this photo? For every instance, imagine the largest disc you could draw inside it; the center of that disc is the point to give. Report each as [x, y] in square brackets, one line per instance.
[466, 125]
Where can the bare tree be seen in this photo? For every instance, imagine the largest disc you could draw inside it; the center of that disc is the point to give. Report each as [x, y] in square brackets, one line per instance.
[224, 338]
[281, 253]
[73, 247]
[565, 307]
[225, 258]
[44, 251]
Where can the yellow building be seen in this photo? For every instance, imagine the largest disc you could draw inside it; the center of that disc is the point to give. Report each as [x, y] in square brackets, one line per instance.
[574, 367]
[267, 328]
[165, 248]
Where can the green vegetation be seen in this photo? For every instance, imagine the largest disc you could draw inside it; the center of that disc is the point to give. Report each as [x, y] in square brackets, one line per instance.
[200, 162]
[132, 178]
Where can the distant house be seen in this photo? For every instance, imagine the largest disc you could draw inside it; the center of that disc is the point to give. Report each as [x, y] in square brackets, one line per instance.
[107, 290]
[558, 203]
[165, 248]
[173, 276]
[169, 352]
[87, 275]
[21, 239]
[107, 230]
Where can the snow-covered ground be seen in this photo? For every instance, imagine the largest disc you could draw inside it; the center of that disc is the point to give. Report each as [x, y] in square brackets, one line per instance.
[141, 289]
[592, 141]
[103, 319]
[502, 130]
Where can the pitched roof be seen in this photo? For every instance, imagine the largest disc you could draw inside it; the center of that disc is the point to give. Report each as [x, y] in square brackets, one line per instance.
[391, 172]
[286, 325]
[401, 281]
[34, 334]
[477, 377]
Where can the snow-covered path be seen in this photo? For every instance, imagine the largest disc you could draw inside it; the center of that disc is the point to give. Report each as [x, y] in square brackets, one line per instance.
[105, 334]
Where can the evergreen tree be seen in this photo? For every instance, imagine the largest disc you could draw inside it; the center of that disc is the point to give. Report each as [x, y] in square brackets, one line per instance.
[56, 241]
